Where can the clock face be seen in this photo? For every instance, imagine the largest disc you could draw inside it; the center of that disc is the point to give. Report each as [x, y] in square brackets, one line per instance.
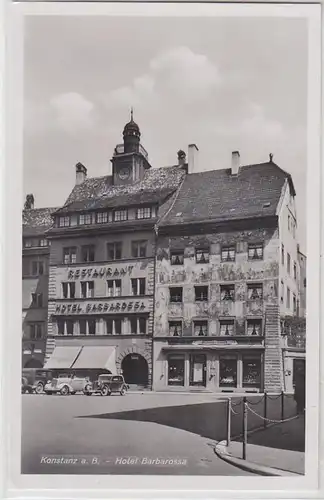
[124, 173]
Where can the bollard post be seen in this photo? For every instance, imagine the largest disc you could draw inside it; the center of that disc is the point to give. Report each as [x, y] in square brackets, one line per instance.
[282, 405]
[229, 406]
[244, 427]
[265, 410]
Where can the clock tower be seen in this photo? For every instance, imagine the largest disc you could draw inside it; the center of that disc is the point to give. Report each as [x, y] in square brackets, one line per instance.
[130, 159]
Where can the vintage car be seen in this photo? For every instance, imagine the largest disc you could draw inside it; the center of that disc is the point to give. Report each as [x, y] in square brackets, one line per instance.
[36, 379]
[66, 385]
[106, 384]
[26, 386]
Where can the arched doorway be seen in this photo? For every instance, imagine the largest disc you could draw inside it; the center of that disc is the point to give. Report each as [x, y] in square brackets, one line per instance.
[135, 369]
[33, 363]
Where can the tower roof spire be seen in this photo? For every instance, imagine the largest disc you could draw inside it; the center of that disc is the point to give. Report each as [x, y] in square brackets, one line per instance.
[132, 112]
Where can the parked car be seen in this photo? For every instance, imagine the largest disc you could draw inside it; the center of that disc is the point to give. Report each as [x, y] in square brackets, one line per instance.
[66, 385]
[36, 379]
[106, 384]
[25, 386]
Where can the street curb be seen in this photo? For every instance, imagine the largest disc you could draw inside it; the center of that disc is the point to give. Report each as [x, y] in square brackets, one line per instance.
[262, 470]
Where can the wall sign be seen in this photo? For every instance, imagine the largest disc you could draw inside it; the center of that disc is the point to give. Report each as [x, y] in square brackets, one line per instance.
[215, 342]
[101, 307]
[99, 272]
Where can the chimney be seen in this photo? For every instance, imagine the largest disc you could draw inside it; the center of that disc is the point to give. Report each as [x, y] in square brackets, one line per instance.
[181, 157]
[235, 162]
[80, 174]
[29, 203]
[192, 158]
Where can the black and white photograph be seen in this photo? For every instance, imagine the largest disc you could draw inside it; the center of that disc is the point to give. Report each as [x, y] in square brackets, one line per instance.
[165, 244]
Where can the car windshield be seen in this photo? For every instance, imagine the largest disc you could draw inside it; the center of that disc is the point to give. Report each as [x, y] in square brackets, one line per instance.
[117, 379]
[104, 378]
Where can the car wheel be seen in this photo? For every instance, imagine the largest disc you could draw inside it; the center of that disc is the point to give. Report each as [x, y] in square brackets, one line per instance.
[123, 392]
[104, 391]
[39, 389]
[65, 390]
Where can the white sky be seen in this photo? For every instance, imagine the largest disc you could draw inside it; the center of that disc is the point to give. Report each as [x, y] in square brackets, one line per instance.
[223, 83]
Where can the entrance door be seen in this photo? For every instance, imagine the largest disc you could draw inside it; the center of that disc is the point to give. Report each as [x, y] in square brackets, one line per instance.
[135, 369]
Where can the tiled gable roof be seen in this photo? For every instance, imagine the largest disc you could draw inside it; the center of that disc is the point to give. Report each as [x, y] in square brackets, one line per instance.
[217, 195]
[99, 192]
[36, 221]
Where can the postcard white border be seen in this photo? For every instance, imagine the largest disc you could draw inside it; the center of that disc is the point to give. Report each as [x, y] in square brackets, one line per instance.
[55, 486]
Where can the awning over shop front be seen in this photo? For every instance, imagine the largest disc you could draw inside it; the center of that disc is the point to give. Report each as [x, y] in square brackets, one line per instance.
[97, 357]
[63, 357]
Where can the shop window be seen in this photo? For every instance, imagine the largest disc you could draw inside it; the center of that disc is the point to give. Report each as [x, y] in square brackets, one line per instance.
[88, 253]
[255, 251]
[283, 254]
[255, 291]
[176, 370]
[176, 294]
[114, 250]
[201, 293]
[197, 376]
[69, 255]
[252, 371]
[175, 328]
[144, 213]
[177, 258]
[288, 263]
[85, 219]
[227, 292]
[102, 217]
[226, 328]
[200, 328]
[87, 289]
[138, 286]
[68, 290]
[202, 256]
[38, 267]
[139, 249]
[37, 300]
[64, 221]
[228, 253]
[254, 327]
[120, 215]
[35, 331]
[227, 371]
[114, 288]
[114, 326]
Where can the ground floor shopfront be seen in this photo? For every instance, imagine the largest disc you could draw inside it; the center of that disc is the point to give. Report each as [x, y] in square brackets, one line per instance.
[294, 364]
[90, 356]
[207, 368]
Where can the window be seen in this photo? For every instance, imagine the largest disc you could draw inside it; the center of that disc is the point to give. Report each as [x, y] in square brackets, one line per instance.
[202, 256]
[37, 300]
[294, 304]
[304, 282]
[35, 331]
[197, 365]
[255, 251]
[138, 326]
[69, 327]
[201, 293]
[228, 253]
[114, 326]
[254, 327]
[139, 248]
[255, 291]
[251, 371]
[226, 327]
[102, 217]
[177, 258]
[65, 327]
[38, 268]
[88, 253]
[64, 221]
[87, 289]
[43, 243]
[85, 219]
[227, 371]
[28, 243]
[288, 263]
[295, 271]
[87, 326]
[114, 288]
[227, 292]
[138, 286]
[69, 255]
[176, 294]
[60, 326]
[200, 328]
[176, 370]
[114, 250]
[120, 215]
[144, 213]
[68, 290]
[91, 326]
[175, 328]
[283, 255]
[282, 292]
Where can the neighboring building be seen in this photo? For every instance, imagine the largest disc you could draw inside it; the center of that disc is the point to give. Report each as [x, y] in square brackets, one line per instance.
[102, 262]
[302, 283]
[223, 250]
[35, 258]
